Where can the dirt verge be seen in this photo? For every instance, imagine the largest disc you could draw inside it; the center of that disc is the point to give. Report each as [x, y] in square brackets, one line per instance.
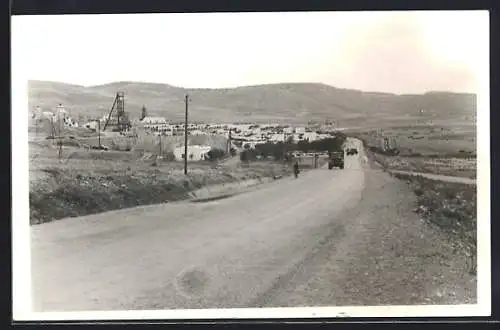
[391, 256]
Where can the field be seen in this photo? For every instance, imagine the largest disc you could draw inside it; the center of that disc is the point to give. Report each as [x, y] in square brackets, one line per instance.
[143, 141]
[445, 150]
[91, 181]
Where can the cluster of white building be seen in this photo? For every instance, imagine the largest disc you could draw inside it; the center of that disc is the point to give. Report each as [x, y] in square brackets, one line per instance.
[241, 134]
[59, 115]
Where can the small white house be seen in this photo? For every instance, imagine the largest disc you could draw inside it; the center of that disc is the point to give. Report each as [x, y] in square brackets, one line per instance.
[277, 137]
[197, 132]
[300, 130]
[92, 125]
[154, 120]
[195, 152]
[156, 123]
[48, 115]
[310, 136]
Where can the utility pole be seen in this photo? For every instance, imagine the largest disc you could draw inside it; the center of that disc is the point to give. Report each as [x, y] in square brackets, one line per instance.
[52, 128]
[186, 136]
[60, 140]
[99, 132]
[159, 136]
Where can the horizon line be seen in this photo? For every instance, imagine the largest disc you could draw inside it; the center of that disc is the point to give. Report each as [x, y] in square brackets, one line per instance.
[246, 86]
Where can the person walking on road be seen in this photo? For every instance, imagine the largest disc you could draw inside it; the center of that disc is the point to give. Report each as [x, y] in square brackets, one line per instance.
[296, 169]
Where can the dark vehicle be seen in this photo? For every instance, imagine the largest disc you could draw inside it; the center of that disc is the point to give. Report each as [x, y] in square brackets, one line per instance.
[351, 151]
[336, 159]
[101, 147]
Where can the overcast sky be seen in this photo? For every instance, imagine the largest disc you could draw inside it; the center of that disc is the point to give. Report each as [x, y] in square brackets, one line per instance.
[398, 52]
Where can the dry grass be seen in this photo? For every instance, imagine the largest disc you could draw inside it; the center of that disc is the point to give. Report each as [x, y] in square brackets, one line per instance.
[452, 208]
[429, 149]
[91, 182]
[442, 141]
[459, 167]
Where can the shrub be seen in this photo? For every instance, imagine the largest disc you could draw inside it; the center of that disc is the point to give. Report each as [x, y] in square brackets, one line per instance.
[248, 155]
[169, 156]
[215, 154]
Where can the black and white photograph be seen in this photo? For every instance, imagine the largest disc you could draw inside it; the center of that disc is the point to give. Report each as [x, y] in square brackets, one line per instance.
[251, 165]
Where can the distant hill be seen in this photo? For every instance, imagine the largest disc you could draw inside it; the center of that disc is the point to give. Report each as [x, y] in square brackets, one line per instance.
[290, 102]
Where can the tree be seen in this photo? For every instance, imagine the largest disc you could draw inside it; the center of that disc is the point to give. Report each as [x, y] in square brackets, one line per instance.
[144, 112]
[215, 154]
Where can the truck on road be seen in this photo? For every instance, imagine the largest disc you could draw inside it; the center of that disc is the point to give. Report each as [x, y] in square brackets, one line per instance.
[352, 151]
[336, 159]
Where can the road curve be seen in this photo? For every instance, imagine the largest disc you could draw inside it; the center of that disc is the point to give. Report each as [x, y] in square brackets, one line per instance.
[263, 248]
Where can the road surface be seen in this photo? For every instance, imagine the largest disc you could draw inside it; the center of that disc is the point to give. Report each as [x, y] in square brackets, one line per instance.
[330, 237]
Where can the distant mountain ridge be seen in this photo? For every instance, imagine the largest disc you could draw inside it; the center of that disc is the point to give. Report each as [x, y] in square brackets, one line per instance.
[291, 102]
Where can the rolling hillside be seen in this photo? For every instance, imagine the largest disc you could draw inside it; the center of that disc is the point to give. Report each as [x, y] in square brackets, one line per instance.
[291, 102]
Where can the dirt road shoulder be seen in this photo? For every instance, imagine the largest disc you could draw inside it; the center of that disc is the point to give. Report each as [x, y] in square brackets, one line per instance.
[391, 257]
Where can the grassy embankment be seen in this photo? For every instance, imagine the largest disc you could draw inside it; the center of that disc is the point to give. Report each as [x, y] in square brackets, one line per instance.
[92, 181]
[84, 185]
[451, 207]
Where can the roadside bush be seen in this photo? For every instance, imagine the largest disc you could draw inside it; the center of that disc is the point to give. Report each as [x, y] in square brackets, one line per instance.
[248, 155]
[169, 156]
[215, 154]
[280, 150]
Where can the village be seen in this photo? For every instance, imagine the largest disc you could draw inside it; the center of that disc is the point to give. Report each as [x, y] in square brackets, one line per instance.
[239, 136]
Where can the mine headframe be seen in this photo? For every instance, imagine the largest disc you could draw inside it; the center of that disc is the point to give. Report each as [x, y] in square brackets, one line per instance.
[117, 116]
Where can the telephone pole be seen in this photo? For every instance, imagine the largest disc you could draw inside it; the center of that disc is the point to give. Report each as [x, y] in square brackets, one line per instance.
[186, 136]
[60, 140]
[98, 131]
[159, 136]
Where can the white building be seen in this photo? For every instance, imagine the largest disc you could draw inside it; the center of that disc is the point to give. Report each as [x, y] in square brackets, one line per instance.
[195, 152]
[154, 122]
[277, 137]
[310, 136]
[197, 132]
[49, 115]
[92, 125]
[300, 130]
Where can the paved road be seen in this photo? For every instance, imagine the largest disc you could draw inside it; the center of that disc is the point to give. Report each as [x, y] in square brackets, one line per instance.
[250, 250]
